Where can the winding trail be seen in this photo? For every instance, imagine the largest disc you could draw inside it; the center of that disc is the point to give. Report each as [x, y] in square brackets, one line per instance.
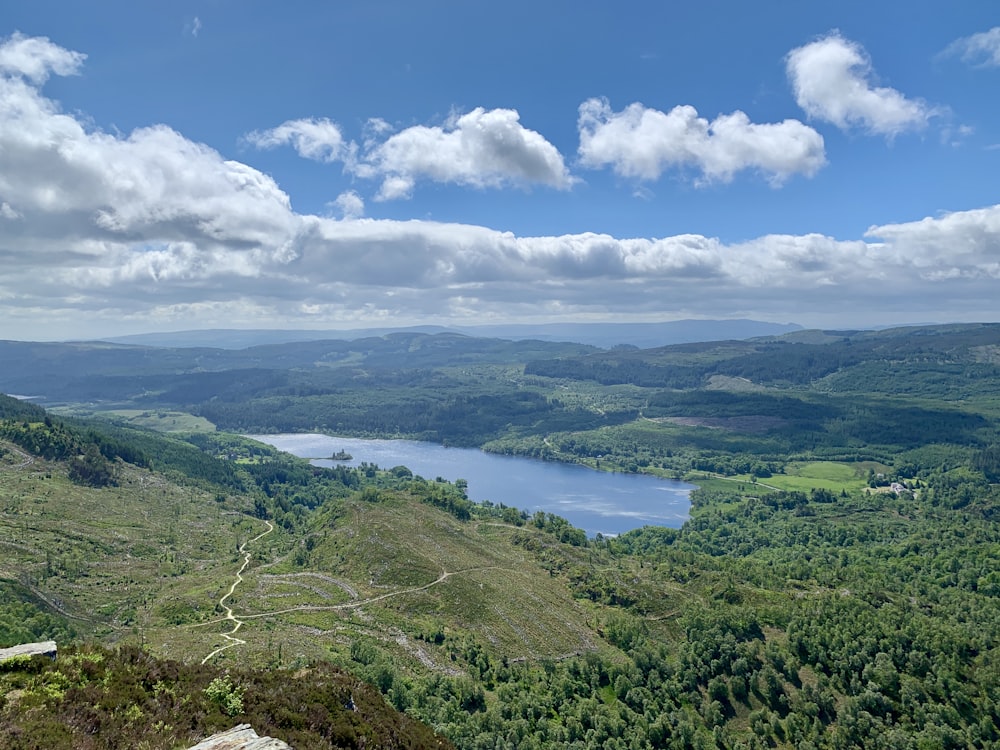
[445, 575]
[28, 459]
[237, 623]
[713, 475]
[342, 585]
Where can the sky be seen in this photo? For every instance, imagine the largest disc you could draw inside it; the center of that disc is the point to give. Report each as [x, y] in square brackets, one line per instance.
[250, 164]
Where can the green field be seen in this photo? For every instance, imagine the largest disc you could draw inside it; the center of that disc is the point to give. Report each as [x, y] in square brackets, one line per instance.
[805, 476]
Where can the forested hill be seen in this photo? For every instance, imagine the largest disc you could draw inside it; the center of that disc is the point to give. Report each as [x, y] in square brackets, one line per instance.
[98, 370]
[940, 361]
[914, 361]
[847, 394]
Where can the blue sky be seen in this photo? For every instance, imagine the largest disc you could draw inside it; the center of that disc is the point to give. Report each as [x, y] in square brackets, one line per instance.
[328, 165]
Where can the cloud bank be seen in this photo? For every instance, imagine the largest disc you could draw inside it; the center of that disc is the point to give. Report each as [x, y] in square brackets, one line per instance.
[149, 229]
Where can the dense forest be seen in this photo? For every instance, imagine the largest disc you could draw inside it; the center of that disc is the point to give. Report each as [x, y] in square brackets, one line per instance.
[837, 584]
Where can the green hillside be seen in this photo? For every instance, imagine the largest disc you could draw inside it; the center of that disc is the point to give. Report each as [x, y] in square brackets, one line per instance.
[837, 395]
[123, 698]
[829, 614]
[837, 585]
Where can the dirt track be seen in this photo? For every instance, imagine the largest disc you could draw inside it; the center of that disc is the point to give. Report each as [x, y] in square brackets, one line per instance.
[237, 623]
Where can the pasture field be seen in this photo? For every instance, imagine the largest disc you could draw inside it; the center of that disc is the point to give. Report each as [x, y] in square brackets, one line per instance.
[826, 475]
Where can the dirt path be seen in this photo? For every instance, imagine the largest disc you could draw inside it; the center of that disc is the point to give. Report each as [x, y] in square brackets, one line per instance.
[237, 623]
[445, 575]
[56, 606]
[744, 481]
[343, 585]
[27, 458]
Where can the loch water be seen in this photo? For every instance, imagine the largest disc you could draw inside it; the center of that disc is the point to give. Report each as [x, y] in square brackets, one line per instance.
[595, 501]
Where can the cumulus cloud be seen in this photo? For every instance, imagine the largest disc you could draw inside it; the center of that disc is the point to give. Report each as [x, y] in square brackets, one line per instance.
[316, 139]
[350, 205]
[36, 58]
[642, 143]
[86, 194]
[981, 50]
[395, 187]
[961, 244]
[482, 148]
[833, 81]
[150, 229]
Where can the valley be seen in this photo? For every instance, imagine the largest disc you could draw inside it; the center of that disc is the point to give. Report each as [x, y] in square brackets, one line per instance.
[835, 585]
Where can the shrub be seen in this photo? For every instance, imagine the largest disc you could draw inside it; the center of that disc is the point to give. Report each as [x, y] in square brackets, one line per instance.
[228, 697]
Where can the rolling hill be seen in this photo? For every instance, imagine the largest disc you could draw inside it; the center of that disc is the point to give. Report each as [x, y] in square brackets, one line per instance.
[836, 586]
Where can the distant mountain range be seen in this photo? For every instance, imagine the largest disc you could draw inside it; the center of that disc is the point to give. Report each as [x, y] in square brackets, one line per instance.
[604, 335]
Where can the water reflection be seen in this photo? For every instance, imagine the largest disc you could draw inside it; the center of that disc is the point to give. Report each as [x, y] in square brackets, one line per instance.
[595, 501]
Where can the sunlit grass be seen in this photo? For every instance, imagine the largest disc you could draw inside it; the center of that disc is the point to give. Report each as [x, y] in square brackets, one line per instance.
[802, 477]
[165, 421]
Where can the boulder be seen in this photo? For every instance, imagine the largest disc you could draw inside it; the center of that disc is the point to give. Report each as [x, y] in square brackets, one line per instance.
[241, 737]
[43, 648]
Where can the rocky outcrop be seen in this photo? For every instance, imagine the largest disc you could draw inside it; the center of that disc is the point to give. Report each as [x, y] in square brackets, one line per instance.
[240, 737]
[43, 648]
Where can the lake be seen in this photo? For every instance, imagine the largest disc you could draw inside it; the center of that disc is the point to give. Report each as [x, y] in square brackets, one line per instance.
[595, 501]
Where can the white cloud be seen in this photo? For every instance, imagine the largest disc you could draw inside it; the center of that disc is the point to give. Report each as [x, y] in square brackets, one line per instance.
[193, 27]
[350, 205]
[478, 149]
[88, 197]
[376, 128]
[958, 244]
[148, 229]
[643, 143]
[980, 50]
[395, 187]
[36, 58]
[482, 148]
[316, 139]
[832, 80]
